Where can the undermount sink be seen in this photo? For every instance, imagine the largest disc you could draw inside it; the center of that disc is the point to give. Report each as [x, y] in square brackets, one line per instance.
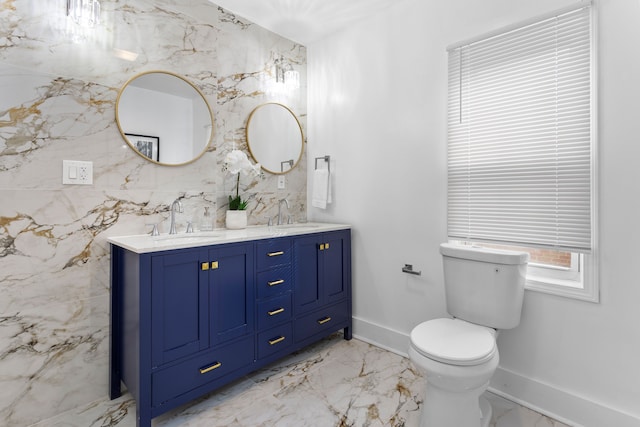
[189, 237]
[294, 226]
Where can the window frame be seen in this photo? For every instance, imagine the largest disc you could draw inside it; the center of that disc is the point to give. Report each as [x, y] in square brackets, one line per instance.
[583, 282]
[585, 288]
[578, 283]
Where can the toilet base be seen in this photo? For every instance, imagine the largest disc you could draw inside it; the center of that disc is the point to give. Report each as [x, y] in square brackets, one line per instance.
[445, 409]
[487, 411]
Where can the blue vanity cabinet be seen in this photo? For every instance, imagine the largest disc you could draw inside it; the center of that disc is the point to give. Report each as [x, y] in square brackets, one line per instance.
[183, 323]
[225, 277]
[186, 321]
[322, 279]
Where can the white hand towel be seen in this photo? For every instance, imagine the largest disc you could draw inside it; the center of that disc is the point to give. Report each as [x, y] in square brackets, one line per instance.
[321, 194]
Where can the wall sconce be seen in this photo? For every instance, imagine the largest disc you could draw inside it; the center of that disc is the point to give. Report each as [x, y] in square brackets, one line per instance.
[286, 75]
[84, 12]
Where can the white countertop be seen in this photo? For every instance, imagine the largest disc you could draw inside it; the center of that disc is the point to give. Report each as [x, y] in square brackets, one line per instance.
[144, 243]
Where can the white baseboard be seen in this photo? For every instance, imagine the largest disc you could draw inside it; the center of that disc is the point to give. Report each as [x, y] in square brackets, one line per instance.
[571, 409]
[381, 336]
[544, 398]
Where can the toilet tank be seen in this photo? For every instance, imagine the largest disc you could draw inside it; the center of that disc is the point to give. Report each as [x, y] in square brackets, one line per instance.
[484, 286]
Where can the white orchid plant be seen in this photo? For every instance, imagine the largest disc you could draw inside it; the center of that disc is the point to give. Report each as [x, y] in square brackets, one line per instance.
[237, 162]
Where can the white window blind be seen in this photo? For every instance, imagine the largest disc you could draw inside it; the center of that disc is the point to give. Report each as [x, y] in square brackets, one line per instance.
[520, 135]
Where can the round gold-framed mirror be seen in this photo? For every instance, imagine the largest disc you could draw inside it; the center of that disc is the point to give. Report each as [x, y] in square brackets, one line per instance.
[274, 137]
[164, 118]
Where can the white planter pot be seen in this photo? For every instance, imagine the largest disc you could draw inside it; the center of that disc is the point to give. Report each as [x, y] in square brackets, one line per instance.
[236, 220]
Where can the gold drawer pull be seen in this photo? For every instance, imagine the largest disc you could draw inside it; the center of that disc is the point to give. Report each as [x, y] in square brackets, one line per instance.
[204, 266]
[324, 320]
[276, 340]
[270, 254]
[210, 368]
[274, 312]
[275, 282]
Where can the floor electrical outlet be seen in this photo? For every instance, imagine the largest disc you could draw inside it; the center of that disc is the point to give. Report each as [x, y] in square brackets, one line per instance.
[77, 172]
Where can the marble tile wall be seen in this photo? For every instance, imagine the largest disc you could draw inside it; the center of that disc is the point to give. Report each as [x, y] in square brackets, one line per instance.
[58, 87]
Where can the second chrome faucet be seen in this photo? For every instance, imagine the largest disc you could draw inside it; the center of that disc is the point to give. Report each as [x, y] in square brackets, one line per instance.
[176, 206]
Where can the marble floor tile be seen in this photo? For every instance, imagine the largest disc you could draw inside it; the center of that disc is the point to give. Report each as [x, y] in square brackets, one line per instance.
[509, 414]
[332, 383]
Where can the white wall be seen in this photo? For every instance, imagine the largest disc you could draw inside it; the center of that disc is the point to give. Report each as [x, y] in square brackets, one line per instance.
[377, 105]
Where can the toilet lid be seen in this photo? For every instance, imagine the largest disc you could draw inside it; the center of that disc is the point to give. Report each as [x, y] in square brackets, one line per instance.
[454, 341]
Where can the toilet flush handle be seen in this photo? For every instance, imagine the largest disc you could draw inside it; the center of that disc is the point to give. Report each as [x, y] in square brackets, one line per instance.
[408, 268]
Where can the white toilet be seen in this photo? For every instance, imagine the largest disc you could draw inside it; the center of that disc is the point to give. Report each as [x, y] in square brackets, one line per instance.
[484, 289]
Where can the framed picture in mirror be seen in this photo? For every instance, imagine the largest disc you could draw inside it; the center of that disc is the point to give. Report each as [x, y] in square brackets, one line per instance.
[148, 146]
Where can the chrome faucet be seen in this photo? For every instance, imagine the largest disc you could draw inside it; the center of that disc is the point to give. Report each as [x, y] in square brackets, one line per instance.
[175, 206]
[280, 209]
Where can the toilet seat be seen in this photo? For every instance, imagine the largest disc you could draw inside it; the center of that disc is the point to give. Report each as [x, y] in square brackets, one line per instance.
[454, 342]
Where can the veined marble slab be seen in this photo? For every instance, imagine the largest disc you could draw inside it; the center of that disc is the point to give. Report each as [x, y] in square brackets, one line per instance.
[59, 84]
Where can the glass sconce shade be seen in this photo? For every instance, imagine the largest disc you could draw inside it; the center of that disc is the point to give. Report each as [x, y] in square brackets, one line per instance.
[84, 12]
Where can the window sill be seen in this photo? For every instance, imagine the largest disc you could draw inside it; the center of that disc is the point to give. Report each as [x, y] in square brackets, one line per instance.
[563, 288]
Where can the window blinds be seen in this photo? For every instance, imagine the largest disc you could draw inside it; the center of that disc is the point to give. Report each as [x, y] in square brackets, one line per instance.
[520, 138]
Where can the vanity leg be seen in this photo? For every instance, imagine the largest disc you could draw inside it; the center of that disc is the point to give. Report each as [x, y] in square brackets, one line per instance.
[115, 338]
[143, 419]
[347, 333]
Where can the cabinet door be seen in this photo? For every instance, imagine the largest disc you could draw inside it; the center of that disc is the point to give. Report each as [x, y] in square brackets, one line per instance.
[334, 276]
[231, 294]
[179, 306]
[306, 267]
[321, 269]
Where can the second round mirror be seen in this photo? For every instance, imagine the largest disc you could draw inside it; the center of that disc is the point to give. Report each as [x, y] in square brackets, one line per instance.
[275, 139]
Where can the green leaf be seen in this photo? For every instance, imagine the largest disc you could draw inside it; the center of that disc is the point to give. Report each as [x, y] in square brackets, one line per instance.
[237, 204]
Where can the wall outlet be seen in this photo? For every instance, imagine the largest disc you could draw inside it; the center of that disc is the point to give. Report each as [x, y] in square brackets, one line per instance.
[77, 172]
[281, 182]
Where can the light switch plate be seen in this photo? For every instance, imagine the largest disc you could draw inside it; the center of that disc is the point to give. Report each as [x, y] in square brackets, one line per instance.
[77, 172]
[281, 182]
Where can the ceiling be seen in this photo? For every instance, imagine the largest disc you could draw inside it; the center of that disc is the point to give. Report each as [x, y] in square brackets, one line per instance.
[304, 21]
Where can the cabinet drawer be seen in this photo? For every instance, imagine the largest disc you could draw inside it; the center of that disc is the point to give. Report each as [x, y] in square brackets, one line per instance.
[274, 281]
[274, 340]
[273, 252]
[322, 320]
[176, 380]
[274, 311]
